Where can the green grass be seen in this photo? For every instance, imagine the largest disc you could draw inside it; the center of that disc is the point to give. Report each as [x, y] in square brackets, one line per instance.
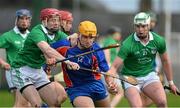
[6, 100]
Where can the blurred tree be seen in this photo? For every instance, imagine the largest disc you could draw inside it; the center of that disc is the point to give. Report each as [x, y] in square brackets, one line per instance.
[36, 8]
[145, 5]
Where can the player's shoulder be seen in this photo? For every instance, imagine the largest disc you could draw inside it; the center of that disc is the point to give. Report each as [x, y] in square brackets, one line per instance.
[95, 45]
[157, 37]
[8, 33]
[129, 39]
[37, 30]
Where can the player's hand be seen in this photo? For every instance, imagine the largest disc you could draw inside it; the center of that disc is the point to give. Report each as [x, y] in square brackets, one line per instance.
[51, 61]
[6, 66]
[48, 70]
[111, 85]
[174, 89]
[73, 39]
[72, 65]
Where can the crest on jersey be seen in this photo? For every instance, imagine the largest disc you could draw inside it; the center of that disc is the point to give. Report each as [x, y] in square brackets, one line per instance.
[153, 50]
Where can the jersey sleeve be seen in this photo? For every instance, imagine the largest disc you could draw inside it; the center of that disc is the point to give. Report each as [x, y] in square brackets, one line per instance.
[60, 43]
[162, 46]
[102, 63]
[37, 37]
[4, 41]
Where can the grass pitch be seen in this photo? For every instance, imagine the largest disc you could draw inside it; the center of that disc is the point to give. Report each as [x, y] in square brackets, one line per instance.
[6, 100]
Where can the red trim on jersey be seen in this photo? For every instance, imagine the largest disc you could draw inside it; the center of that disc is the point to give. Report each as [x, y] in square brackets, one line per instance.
[66, 76]
[97, 76]
[63, 51]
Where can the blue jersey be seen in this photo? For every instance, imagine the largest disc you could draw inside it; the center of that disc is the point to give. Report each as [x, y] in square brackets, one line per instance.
[59, 43]
[94, 60]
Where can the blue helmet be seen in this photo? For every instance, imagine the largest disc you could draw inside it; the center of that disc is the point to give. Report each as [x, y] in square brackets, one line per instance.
[23, 12]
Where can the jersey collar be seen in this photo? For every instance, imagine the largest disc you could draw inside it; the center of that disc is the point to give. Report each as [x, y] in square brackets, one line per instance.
[16, 30]
[150, 38]
[46, 32]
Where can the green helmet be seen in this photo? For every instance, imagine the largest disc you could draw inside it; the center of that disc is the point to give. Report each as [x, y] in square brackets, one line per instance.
[142, 18]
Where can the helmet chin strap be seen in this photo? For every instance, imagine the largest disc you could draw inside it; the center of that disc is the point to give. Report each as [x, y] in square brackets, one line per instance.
[51, 31]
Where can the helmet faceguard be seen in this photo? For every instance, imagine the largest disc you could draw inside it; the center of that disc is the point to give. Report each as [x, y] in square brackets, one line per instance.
[142, 18]
[88, 28]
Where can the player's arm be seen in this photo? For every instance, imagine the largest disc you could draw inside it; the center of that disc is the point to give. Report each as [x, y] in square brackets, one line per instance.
[4, 64]
[115, 65]
[112, 85]
[168, 71]
[73, 39]
[48, 51]
[167, 66]
[107, 55]
[52, 53]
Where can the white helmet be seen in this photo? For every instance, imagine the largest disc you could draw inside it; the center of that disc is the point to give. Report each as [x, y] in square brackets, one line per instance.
[142, 18]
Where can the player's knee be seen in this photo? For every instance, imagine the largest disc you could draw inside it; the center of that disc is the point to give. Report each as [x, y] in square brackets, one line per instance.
[136, 104]
[64, 97]
[162, 103]
[61, 98]
[36, 103]
[26, 104]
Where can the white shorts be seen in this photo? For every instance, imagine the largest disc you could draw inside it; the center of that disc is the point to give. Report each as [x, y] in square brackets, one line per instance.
[143, 81]
[26, 75]
[9, 79]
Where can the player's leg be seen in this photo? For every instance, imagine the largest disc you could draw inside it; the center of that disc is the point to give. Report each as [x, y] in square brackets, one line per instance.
[23, 79]
[31, 94]
[132, 93]
[99, 94]
[103, 102]
[156, 92]
[146, 100]
[153, 88]
[81, 96]
[117, 98]
[52, 93]
[133, 96]
[83, 101]
[20, 101]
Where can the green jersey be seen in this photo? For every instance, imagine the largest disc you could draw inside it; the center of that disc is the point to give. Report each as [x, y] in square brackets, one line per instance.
[138, 58]
[12, 41]
[31, 54]
[113, 51]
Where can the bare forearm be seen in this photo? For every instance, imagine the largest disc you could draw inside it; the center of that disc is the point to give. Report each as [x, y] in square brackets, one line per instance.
[52, 53]
[115, 66]
[48, 51]
[168, 70]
